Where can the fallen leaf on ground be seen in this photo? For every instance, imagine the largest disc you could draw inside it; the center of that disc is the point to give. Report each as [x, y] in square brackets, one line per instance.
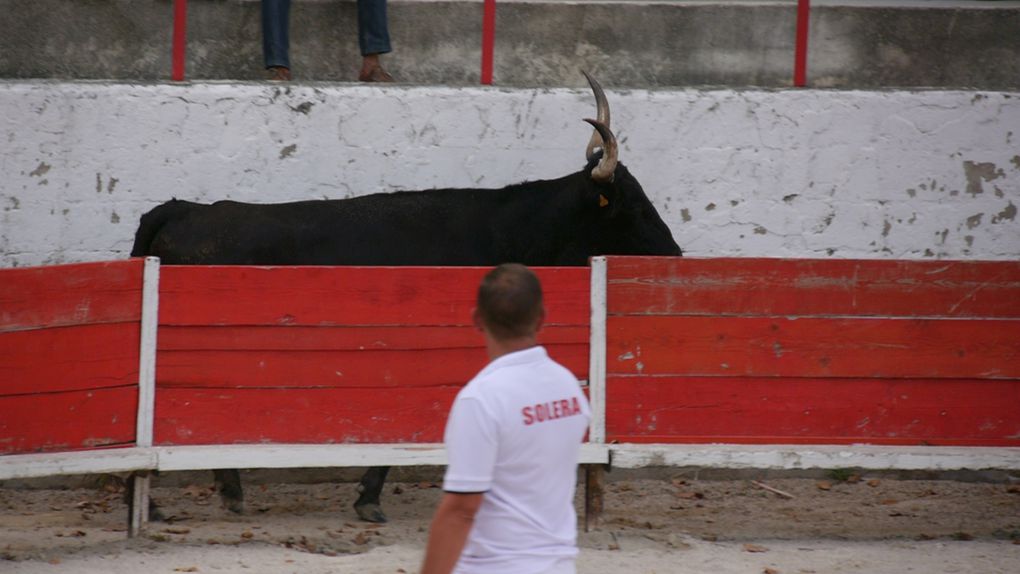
[824, 485]
[874, 482]
[754, 548]
[361, 539]
[770, 571]
[177, 530]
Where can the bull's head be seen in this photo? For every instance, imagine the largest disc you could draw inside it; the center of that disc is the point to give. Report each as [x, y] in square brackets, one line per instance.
[630, 223]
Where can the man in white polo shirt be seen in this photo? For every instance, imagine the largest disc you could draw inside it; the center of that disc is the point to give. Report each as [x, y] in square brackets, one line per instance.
[513, 438]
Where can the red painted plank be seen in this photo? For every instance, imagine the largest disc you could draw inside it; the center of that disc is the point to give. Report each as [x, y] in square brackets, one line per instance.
[300, 369]
[67, 421]
[394, 338]
[814, 347]
[241, 295]
[69, 358]
[812, 287]
[819, 411]
[315, 416]
[59, 295]
[380, 369]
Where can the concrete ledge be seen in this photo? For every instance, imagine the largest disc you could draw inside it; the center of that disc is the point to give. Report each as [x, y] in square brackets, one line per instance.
[867, 44]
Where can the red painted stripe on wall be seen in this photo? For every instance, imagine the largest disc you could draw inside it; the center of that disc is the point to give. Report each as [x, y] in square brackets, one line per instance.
[488, 40]
[800, 51]
[179, 39]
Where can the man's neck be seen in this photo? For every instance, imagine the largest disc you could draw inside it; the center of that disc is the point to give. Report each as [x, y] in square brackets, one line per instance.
[497, 347]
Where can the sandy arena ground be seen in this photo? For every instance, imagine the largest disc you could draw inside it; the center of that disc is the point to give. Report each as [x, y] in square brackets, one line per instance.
[651, 526]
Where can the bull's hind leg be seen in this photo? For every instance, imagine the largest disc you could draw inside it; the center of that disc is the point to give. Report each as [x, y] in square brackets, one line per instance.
[367, 506]
[228, 483]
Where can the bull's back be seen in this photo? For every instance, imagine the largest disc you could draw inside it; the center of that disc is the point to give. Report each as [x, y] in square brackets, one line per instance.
[390, 229]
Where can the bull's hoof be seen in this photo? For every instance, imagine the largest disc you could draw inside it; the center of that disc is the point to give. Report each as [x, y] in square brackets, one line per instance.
[370, 513]
[234, 505]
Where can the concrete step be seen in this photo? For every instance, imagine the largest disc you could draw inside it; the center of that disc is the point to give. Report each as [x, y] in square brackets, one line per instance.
[627, 43]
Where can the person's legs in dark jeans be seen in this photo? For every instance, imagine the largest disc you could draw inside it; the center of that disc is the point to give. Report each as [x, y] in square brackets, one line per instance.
[373, 39]
[275, 37]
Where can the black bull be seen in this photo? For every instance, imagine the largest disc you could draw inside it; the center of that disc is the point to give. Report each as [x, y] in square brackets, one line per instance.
[600, 210]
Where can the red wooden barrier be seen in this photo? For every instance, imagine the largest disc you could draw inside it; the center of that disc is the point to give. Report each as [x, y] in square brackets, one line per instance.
[69, 356]
[331, 354]
[813, 351]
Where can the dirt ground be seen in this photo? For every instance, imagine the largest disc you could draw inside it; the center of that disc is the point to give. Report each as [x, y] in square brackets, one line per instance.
[675, 524]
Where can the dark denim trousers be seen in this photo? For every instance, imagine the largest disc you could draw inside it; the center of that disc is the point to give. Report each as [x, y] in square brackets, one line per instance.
[373, 30]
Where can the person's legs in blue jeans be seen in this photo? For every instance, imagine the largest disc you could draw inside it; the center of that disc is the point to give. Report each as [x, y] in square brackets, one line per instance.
[373, 27]
[275, 34]
[373, 39]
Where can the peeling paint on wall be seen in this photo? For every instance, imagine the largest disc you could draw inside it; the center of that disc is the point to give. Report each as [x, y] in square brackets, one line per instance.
[1007, 214]
[41, 170]
[288, 151]
[978, 172]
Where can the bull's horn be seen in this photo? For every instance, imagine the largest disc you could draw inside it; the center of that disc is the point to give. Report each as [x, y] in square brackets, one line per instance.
[603, 172]
[602, 107]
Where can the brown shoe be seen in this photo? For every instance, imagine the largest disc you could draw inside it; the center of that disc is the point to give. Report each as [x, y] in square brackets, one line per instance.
[376, 74]
[278, 74]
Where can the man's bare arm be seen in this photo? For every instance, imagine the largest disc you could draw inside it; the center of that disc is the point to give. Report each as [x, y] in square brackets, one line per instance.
[449, 531]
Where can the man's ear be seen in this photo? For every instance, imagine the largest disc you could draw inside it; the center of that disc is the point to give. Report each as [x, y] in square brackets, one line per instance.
[541, 320]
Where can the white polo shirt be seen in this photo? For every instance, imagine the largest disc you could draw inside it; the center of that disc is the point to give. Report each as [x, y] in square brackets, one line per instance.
[514, 432]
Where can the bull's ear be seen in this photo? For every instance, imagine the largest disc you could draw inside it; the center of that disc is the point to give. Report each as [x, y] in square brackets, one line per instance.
[608, 198]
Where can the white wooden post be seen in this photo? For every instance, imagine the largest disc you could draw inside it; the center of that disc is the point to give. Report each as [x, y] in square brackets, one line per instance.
[597, 354]
[593, 474]
[146, 390]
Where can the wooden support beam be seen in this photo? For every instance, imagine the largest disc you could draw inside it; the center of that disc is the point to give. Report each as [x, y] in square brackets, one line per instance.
[138, 510]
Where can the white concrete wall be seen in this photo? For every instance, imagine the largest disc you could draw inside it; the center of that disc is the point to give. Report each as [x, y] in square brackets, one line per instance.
[907, 175]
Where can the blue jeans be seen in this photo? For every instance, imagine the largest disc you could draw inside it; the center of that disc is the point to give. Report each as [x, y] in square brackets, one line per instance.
[373, 30]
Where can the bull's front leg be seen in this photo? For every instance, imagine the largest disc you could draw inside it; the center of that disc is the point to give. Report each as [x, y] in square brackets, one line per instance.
[367, 506]
[228, 483]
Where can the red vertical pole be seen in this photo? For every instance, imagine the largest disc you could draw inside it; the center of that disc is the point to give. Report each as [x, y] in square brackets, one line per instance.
[800, 50]
[179, 39]
[488, 40]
